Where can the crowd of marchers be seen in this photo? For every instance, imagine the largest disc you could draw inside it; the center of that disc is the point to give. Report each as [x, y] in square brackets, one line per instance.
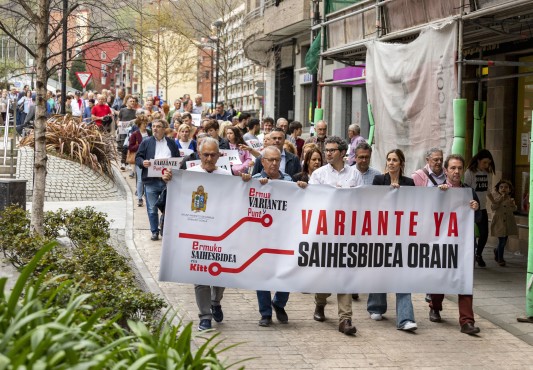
[284, 156]
[272, 150]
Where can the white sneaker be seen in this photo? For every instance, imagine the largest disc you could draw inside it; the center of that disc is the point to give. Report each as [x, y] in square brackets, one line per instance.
[409, 326]
[376, 316]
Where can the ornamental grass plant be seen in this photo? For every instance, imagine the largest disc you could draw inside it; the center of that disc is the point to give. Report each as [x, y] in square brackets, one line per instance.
[49, 325]
[85, 143]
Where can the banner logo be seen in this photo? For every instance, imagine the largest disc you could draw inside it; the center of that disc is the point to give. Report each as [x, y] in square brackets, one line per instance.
[199, 200]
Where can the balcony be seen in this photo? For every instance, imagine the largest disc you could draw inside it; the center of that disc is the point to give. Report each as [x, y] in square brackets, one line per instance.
[268, 24]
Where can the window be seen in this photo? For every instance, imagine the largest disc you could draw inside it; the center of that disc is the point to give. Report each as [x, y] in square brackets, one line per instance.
[103, 55]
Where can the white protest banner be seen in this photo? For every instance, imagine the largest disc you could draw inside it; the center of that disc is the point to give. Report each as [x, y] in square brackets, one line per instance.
[319, 239]
[222, 162]
[254, 144]
[196, 119]
[186, 152]
[232, 154]
[158, 167]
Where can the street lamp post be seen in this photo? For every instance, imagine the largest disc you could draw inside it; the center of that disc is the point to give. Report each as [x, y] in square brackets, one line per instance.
[211, 76]
[218, 24]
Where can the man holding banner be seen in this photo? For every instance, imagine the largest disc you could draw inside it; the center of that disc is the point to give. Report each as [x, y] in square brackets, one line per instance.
[271, 160]
[207, 297]
[337, 174]
[454, 168]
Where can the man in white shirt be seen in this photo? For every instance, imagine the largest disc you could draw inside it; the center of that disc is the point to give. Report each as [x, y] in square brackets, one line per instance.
[157, 146]
[338, 174]
[78, 105]
[199, 107]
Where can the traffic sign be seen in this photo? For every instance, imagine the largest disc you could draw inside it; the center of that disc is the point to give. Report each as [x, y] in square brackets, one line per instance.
[84, 78]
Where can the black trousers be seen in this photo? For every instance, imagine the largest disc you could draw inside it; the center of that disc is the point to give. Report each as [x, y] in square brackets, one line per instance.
[483, 228]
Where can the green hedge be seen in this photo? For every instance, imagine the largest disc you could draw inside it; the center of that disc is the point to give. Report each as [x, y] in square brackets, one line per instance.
[45, 324]
[86, 259]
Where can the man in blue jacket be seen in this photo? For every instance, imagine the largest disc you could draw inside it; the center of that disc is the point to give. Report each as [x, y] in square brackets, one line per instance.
[158, 146]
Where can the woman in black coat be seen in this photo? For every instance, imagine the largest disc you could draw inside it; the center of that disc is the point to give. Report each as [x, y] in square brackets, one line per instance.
[377, 302]
[394, 171]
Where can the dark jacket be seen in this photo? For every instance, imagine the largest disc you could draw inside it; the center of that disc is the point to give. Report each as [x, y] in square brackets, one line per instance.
[221, 117]
[385, 180]
[147, 151]
[223, 143]
[292, 165]
[192, 157]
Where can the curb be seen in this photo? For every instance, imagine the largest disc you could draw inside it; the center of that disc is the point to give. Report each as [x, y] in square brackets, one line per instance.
[151, 283]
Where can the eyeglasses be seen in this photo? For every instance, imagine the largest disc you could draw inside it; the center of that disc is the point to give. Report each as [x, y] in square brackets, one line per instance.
[272, 160]
[331, 150]
[363, 157]
[157, 126]
[210, 155]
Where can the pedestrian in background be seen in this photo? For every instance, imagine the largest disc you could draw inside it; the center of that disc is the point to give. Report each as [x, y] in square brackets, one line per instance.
[479, 177]
[503, 222]
[158, 146]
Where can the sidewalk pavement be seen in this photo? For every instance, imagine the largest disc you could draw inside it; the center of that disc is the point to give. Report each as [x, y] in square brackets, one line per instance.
[499, 298]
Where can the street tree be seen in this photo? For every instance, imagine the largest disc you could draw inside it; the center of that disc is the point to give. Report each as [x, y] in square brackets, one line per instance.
[36, 25]
[198, 19]
[167, 56]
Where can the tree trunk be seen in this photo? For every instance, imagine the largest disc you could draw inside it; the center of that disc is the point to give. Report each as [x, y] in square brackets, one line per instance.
[40, 158]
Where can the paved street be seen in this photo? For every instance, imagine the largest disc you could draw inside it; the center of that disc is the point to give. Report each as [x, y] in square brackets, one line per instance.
[304, 343]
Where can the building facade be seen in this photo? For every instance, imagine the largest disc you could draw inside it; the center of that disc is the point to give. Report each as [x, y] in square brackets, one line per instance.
[241, 81]
[494, 33]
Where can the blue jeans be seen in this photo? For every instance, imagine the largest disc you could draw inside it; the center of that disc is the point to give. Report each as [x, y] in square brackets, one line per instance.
[140, 186]
[502, 241]
[377, 303]
[265, 301]
[153, 189]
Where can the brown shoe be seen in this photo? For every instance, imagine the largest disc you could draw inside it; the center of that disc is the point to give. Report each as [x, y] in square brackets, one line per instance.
[346, 327]
[469, 328]
[319, 314]
[434, 316]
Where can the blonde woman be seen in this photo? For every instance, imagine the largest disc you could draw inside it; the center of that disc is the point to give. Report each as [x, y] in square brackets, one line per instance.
[222, 129]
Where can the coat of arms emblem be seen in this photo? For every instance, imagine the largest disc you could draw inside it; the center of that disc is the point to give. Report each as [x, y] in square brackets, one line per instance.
[199, 200]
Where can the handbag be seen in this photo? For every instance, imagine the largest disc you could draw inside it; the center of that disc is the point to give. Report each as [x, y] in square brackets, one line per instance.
[130, 158]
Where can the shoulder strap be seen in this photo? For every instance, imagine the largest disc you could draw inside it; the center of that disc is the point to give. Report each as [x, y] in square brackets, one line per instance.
[430, 177]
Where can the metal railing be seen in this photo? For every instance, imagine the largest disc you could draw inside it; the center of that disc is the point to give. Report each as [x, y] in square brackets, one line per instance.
[258, 12]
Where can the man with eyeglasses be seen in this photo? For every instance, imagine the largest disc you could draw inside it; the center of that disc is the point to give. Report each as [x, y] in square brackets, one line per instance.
[207, 297]
[362, 155]
[432, 174]
[290, 163]
[340, 175]
[271, 160]
[158, 146]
